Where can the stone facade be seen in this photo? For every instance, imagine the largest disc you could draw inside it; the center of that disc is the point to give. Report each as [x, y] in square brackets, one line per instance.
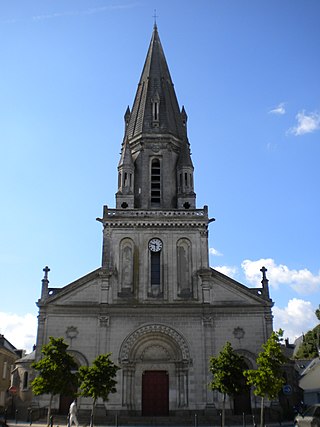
[155, 303]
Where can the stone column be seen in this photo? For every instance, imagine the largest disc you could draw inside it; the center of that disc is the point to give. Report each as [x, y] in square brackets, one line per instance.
[208, 352]
[128, 386]
[103, 346]
[182, 379]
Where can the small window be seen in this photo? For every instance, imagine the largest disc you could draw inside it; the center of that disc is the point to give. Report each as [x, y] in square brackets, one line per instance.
[25, 380]
[5, 370]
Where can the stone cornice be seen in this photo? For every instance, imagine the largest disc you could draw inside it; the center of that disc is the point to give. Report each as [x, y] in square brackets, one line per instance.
[158, 218]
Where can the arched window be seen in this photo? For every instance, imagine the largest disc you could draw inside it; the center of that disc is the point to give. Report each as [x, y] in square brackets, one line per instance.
[155, 274]
[126, 267]
[155, 268]
[155, 183]
[184, 267]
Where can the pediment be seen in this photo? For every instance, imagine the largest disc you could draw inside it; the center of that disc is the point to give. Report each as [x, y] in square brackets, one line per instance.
[86, 289]
[225, 290]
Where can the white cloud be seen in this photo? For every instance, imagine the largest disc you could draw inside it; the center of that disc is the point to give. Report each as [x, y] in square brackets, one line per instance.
[279, 109]
[307, 123]
[295, 319]
[20, 331]
[302, 281]
[214, 252]
[227, 270]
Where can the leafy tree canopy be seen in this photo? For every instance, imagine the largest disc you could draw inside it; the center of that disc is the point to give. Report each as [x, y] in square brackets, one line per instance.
[308, 349]
[56, 370]
[267, 378]
[227, 370]
[98, 380]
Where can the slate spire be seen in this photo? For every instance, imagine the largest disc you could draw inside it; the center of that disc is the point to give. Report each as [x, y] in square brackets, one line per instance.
[155, 108]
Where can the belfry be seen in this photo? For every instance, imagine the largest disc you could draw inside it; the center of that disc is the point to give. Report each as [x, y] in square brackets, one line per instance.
[155, 303]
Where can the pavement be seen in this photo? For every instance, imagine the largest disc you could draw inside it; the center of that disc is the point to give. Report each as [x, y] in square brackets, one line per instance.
[154, 424]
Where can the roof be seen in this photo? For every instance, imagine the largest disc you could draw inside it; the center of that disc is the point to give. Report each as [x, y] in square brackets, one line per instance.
[27, 358]
[126, 157]
[4, 343]
[155, 85]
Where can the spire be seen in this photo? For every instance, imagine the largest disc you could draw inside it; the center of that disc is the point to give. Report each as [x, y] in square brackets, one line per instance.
[186, 194]
[265, 282]
[126, 157]
[185, 157]
[45, 283]
[127, 117]
[124, 196]
[155, 108]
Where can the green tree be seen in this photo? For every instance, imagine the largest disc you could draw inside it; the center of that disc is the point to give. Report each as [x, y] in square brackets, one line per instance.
[227, 371]
[56, 371]
[308, 349]
[267, 379]
[98, 380]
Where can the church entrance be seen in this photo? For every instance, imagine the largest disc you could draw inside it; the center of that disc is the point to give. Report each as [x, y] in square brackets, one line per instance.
[242, 401]
[64, 404]
[155, 393]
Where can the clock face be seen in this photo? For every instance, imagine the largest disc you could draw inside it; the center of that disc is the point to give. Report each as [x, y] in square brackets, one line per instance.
[155, 245]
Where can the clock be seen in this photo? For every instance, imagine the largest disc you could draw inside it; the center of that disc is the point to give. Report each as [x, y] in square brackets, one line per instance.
[155, 245]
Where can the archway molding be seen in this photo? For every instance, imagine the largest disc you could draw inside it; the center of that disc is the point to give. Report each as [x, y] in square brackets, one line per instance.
[165, 337]
[155, 347]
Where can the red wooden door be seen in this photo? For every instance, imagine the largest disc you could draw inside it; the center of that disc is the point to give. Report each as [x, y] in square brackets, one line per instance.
[155, 393]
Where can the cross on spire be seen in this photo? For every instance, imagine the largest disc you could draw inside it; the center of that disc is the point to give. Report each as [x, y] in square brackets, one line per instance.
[155, 16]
[46, 271]
[263, 271]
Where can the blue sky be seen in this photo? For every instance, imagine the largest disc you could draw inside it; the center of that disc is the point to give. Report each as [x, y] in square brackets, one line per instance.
[247, 72]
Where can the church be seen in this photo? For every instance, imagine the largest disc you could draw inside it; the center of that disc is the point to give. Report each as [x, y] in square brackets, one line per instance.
[155, 303]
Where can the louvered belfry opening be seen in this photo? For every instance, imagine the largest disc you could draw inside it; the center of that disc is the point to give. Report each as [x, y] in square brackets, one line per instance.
[155, 183]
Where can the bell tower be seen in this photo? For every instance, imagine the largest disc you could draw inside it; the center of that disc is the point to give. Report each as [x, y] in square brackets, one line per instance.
[156, 137]
[155, 244]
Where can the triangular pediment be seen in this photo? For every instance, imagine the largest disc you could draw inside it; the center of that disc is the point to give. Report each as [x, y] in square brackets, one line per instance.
[86, 290]
[227, 291]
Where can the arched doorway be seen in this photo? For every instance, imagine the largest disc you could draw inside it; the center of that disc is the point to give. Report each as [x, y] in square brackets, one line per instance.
[66, 400]
[242, 400]
[155, 363]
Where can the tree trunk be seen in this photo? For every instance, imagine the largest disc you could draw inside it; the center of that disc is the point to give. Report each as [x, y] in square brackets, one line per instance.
[223, 410]
[92, 412]
[262, 412]
[49, 410]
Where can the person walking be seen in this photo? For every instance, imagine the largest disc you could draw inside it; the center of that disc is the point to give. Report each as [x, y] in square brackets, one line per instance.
[73, 414]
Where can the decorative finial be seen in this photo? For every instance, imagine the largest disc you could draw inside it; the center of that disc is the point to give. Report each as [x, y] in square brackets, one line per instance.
[46, 271]
[45, 283]
[155, 16]
[265, 282]
[263, 271]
